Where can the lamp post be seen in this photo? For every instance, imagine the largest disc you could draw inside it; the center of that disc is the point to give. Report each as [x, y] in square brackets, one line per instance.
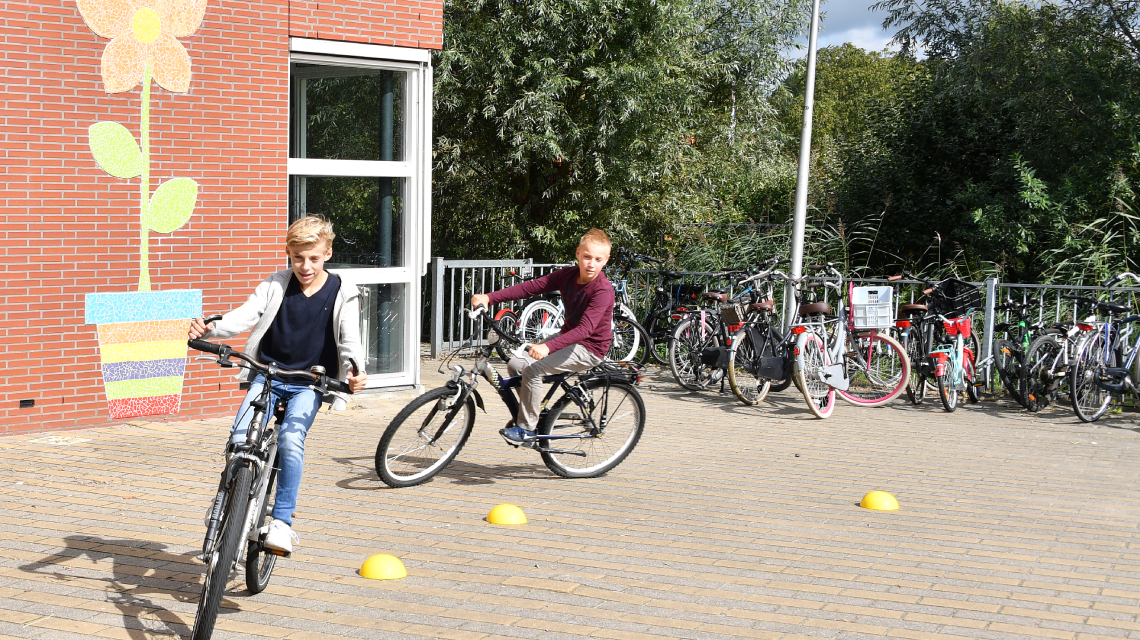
[799, 214]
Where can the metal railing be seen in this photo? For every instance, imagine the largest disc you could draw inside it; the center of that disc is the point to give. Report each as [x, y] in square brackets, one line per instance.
[450, 283]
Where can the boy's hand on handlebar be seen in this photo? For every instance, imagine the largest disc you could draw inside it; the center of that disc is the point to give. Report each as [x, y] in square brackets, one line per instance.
[538, 351]
[356, 382]
[198, 328]
[480, 300]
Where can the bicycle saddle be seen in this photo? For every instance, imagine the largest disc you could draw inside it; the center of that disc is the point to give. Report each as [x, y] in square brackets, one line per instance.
[815, 308]
[1112, 307]
[715, 296]
[767, 305]
[671, 275]
[911, 309]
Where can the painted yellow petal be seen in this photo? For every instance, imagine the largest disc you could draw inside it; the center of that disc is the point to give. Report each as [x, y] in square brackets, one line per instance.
[181, 18]
[124, 61]
[171, 64]
[107, 18]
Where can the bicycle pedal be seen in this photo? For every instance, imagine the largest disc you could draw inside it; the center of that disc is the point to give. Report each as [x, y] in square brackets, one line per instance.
[276, 552]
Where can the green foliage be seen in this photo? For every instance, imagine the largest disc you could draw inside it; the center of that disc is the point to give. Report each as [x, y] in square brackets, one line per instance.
[636, 116]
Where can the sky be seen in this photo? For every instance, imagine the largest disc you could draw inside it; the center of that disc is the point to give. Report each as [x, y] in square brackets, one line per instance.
[852, 21]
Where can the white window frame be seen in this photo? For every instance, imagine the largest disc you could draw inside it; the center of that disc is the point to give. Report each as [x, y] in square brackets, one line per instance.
[415, 168]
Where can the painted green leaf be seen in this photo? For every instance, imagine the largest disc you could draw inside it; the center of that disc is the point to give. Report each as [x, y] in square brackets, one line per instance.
[115, 149]
[172, 205]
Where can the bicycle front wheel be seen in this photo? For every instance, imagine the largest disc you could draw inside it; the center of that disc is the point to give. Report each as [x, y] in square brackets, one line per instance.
[878, 370]
[509, 320]
[1089, 400]
[259, 562]
[421, 440]
[1008, 362]
[743, 363]
[586, 441]
[947, 389]
[221, 561]
[916, 382]
[820, 396]
[690, 338]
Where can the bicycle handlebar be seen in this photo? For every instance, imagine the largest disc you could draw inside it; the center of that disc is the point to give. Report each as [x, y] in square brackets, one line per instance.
[482, 310]
[1123, 276]
[224, 352]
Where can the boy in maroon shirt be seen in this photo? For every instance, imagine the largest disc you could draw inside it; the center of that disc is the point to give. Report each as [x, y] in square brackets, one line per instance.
[586, 331]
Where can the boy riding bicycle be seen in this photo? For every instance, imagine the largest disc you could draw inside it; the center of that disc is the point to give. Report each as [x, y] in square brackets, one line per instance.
[302, 317]
[586, 331]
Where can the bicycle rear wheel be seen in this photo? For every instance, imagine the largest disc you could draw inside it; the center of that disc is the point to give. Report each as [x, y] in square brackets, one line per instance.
[418, 444]
[1041, 382]
[1089, 401]
[509, 320]
[1008, 362]
[539, 321]
[221, 561]
[690, 338]
[630, 342]
[259, 562]
[588, 445]
[916, 384]
[878, 370]
[743, 361]
[820, 397]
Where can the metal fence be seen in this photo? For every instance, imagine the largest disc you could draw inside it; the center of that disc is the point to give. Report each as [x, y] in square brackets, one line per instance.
[450, 283]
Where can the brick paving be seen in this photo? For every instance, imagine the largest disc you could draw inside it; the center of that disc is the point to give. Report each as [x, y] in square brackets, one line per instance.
[726, 522]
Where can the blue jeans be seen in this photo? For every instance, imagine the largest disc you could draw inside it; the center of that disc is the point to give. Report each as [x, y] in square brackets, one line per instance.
[302, 406]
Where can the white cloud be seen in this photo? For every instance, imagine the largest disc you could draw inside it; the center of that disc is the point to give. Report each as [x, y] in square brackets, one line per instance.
[869, 38]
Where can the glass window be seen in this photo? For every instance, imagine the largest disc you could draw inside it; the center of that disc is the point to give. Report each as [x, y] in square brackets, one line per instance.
[382, 327]
[367, 216]
[347, 113]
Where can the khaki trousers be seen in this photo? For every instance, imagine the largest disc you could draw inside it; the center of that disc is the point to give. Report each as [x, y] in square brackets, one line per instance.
[569, 359]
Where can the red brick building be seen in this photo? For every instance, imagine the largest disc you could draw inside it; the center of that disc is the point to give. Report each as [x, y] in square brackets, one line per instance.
[291, 107]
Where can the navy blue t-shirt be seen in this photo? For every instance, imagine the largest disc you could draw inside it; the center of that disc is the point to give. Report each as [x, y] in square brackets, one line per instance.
[301, 335]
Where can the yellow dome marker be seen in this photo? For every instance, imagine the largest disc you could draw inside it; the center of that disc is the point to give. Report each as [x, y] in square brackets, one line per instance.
[383, 567]
[506, 514]
[880, 501]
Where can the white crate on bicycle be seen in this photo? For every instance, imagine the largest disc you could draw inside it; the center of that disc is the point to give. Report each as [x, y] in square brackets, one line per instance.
[873, 307]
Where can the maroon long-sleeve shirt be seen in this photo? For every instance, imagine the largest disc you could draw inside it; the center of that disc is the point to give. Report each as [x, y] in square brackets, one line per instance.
[589, 308]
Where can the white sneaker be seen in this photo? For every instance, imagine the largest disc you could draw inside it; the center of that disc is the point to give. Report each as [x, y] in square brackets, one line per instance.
[280, 537]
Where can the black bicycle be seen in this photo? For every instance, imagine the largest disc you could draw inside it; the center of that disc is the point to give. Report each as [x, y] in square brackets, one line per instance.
[586, 432]
[241, 508]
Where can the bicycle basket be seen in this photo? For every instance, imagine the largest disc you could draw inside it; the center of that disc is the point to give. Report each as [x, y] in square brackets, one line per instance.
[953, 296]
[872, 307]
[686, 293]
[732, 313]
[958, 325]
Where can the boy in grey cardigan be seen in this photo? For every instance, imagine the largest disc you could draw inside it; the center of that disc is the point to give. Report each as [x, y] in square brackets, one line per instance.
[301, 317]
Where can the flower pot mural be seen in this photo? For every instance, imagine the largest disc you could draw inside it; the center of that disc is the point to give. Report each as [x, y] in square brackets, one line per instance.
[142, 334]
[142, 348]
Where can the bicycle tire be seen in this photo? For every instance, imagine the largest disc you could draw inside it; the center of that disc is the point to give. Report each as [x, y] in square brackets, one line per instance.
[630, 341]
[508, 319]
[688, 341]
[629, 411]
[916, 386]
[742, 363]
[947, 390]
[417, 460]
[819, 396]
[1008, 359]
[259, 562]
[970, 371]
[1041, 380]
[221, 561]
[881, 381]
[539, 321]
[1089, 401]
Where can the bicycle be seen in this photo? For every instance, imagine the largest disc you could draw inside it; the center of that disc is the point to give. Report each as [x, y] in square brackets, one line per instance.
[590, 429]
[1104, 363]
[239, 518]
[757, 364]
[1050, 357]
[698, 348]
[837, 356]
[955, 366]
[665, 310]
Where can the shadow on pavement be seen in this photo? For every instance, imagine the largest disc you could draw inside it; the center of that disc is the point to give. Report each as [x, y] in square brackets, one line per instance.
[127, 589]
[458, 472]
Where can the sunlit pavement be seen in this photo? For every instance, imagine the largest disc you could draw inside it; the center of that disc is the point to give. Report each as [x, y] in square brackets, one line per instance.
[727, 521]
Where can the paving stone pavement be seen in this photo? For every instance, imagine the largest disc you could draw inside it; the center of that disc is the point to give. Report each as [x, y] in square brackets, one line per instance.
[726, 522]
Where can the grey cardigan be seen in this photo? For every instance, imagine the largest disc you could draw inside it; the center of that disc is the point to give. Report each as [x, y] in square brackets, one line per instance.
[261, 308]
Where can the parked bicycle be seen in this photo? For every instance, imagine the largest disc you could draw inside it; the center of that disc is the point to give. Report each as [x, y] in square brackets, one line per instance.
[239, 519]
[698, 348]
[585, 432]
[1105, 363]
[1050, 357]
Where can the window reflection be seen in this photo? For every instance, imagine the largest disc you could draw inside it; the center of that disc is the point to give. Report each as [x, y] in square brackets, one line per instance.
[367, 216]
[347, 113]
[382, 327]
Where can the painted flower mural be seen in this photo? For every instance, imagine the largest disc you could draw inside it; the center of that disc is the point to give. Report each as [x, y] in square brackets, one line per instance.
[142, 335]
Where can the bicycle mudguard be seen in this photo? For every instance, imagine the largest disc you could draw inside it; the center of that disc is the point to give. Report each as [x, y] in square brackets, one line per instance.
[478, 400]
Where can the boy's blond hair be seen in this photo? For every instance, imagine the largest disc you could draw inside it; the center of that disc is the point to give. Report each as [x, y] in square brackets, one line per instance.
[596, 236]
[310, 230]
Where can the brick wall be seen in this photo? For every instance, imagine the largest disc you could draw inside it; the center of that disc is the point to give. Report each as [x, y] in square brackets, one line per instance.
[70, 229]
